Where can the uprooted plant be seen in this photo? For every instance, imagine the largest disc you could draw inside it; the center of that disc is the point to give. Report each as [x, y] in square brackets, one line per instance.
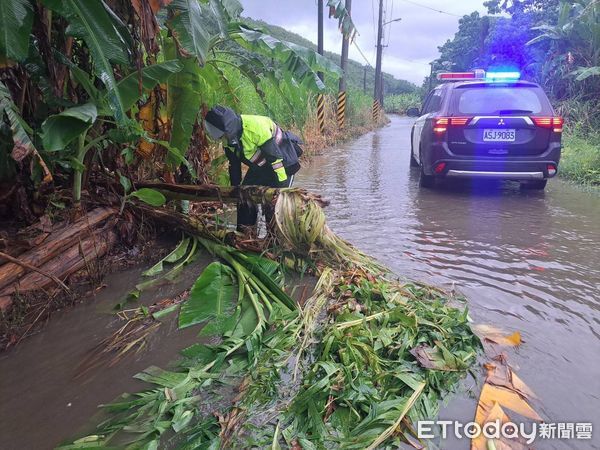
[354, 366]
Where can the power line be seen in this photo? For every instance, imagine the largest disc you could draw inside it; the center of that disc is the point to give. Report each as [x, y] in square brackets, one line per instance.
[373, 12]
[362, 54]
[411, 60]
[390, 23]
[432, 9]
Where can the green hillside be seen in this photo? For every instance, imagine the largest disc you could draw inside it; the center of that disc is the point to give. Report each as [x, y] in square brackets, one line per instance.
[355, 69]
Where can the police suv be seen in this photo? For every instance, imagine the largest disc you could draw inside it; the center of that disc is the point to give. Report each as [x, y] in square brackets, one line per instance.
[486, 125]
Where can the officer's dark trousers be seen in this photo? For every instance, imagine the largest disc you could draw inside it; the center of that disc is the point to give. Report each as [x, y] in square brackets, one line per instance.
[256, 176]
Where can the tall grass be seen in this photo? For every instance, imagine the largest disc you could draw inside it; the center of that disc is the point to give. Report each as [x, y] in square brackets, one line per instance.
[581, 117]
[359, 120]
[581, 141]
[400, 103]
[359, 108]
[581, 158]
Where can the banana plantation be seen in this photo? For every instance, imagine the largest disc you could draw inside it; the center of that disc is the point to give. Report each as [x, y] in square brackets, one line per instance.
[103, 147]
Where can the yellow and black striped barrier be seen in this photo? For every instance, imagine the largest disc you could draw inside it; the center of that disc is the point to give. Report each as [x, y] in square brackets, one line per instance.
[341, 109]
[376, 110]
[321, 112]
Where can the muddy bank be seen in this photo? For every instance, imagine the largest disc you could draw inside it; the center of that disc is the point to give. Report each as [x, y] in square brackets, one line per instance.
[25, 313]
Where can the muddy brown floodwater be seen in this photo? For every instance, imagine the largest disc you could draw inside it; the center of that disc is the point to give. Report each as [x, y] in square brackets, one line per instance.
[526, 261]
[42, 400]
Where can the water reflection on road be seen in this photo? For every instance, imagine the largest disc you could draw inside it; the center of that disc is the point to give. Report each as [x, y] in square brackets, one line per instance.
[527, 261]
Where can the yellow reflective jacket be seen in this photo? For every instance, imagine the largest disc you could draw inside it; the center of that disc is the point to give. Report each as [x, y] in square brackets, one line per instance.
[256, 131]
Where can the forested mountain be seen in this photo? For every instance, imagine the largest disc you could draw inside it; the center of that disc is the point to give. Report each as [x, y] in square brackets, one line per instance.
[355, 69]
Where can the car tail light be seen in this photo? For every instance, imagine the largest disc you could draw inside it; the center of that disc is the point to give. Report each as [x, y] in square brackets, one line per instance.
[556, 123]
[551, 168]
[459, 121]
[441, 124]
[439, 168]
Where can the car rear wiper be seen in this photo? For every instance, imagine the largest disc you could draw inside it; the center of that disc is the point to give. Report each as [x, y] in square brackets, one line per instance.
[514, 111]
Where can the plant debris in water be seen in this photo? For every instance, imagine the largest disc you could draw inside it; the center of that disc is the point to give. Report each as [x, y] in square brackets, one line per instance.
[363, 358]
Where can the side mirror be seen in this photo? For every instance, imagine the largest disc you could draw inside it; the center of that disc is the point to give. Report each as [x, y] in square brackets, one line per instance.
[413, 112]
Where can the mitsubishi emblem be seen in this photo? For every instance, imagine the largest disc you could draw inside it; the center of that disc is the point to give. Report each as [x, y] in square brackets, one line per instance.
[501, 122]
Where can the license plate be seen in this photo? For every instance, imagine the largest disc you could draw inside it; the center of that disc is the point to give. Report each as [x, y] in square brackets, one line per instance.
[495, 135]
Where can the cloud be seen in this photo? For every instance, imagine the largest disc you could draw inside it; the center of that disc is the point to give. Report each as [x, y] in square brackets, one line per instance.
[412, 42]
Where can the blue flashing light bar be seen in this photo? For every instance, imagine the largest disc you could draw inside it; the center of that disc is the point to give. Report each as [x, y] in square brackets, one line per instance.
[502, 76]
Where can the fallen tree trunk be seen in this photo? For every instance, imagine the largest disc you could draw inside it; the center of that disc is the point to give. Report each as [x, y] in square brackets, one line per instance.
[299, 224]
[197, 227]
[35, 269]
[78, 256]
[53, 245]
[179, 221]
[224, 194]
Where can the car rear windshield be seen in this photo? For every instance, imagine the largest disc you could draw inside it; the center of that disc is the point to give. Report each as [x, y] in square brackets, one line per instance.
[499, 100]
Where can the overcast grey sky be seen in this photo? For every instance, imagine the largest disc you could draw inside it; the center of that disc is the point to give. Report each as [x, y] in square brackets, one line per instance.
[413, 41]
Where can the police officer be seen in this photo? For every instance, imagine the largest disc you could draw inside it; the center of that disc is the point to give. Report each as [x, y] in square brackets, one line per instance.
[270, 153]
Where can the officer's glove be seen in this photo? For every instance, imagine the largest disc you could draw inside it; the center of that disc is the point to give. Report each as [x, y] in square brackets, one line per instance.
[283, 184]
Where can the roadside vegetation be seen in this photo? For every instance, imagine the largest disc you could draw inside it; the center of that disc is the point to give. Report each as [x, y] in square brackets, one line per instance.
[118, 90]
[356, 69]
[581, 158]
[555, 43]
[400, 103]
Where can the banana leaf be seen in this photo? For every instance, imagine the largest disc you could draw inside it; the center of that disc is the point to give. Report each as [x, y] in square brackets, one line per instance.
[151, 76]
[59, 130]
[183, 104]
[213, 296]
[90, 21]
[16, 19]
[23, 146]
[178, 253]
[301, 62]
[188, 26]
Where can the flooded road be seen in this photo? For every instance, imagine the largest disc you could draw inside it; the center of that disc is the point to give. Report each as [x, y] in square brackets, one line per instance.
[526, 261]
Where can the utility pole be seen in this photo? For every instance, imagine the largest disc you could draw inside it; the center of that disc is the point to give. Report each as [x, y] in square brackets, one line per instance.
[377, 92]
[431, 77]
[365, 79]
[345, 47]
[321, 96]
[320, 32]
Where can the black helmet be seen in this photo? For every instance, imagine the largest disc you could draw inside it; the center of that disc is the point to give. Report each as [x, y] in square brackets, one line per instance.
[222, 121]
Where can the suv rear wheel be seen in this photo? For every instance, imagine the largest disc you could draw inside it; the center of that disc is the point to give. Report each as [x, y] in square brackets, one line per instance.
[539, 185]
[413, 161]
[426, 181]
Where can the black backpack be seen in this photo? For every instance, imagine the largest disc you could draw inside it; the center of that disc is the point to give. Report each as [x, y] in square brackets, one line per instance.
[291, 151]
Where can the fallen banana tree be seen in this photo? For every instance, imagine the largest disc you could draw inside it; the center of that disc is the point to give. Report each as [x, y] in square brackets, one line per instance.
[58, 253]
[352, 367]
